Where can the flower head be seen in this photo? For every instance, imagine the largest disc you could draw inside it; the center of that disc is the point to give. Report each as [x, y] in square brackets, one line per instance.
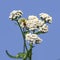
[15, 14]
[31, 24]
[33, 38]
[32, 17]
[40, 23]
[46, 17]
[43, 15]
[22, 22]
[44, 28]
[49, 20]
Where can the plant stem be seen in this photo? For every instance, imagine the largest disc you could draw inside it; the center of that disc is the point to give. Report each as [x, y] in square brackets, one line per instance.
[31, 46]
[30, 52]
[23, 38]
[30, 58]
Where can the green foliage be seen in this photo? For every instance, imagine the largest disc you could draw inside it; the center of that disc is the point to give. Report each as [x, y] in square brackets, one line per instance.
[21, 55]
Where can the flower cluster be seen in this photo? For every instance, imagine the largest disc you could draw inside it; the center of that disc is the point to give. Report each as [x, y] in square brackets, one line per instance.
[33, 38]
[32, 23]
[44, 28]
[46, 17]
[22, 22]
[30, 28]
[15, 14]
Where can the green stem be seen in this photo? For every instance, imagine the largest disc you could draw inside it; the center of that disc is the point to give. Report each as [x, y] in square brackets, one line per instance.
[23, 38]
[31, 46]
[30, 52]
[10, 55]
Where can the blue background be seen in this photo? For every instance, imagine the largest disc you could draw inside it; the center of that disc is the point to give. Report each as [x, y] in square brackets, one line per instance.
[10, 35]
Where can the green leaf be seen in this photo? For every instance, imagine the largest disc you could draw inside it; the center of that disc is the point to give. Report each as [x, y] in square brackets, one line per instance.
[21, 55]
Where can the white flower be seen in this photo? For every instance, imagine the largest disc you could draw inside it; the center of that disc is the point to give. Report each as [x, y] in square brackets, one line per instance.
[31, 24]
[40, 23]
[49, 19]
[43, 15]
[33, 38]
[22, 25]
[15, 14]
[44, 28]
[32, 17]
[28, 36]
[22, 22]
[38, 40]
[46, 17]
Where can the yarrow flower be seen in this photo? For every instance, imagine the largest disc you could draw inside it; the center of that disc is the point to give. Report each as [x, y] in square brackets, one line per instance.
[33, 38]
[30, 28]
[49, 19]
[15, 14]
[46, 17]
[33, 22]
[43, 28]
[40, 23]
[32, 17]
[22, 22]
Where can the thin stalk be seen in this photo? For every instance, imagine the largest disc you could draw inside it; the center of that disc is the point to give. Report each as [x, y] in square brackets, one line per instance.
[23, 38]
[10, 55]
[30, 52]
[24, 41]
[31, 46]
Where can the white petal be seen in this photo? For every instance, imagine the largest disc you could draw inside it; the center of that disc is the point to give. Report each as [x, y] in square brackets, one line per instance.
[32, 17]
